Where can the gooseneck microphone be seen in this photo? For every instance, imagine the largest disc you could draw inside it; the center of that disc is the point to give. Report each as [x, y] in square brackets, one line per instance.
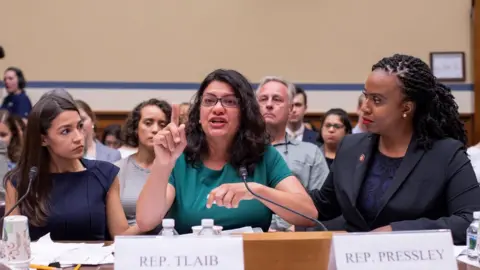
[31, 176]
[244, 174]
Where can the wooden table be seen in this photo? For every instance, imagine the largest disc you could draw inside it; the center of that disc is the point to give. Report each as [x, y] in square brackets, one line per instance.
[283, 251]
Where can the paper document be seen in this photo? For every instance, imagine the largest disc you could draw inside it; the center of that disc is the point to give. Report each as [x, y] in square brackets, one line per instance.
[45, 251]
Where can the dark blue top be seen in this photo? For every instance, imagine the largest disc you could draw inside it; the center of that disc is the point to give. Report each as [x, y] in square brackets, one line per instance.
[18, 104]
[377, 180]
[78, 204]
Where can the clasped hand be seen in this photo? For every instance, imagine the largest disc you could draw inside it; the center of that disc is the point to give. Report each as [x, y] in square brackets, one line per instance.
[230, 195]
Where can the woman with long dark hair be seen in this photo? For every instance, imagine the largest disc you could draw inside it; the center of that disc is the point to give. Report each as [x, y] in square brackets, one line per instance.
[71, 198]
[410, 170]
[225, 132]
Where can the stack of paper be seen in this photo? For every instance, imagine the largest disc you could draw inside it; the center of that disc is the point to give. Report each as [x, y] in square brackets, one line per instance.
[45, 251]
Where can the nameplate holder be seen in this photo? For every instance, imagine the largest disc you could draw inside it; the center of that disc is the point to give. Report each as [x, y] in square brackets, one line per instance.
[158, 252]
[412, 250]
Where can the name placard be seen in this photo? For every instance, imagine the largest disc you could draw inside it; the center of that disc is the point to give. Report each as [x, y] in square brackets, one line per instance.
[157, 252]
[394, 251]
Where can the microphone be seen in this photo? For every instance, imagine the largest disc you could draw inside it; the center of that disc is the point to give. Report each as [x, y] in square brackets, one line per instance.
[31, 175]
[244, 174]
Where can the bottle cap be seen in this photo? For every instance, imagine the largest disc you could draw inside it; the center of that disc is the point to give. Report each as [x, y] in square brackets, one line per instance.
[168, 222]
[207, 222]
[476, 215]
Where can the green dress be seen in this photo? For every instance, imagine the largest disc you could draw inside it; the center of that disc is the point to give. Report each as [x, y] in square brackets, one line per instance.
[193, 184]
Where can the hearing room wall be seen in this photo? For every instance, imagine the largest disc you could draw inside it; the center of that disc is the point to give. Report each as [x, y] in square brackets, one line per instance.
[116, 53]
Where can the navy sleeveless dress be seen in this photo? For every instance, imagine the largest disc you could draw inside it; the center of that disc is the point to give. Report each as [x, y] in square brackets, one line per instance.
[78, 204]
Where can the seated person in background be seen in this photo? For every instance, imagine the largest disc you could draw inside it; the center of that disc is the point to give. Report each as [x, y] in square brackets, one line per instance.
[335, 125]
[145, 121]
[16, 102]
[297, 130]
[20, 124]
[111, 136]
[410, 170]
[184, 107]
[474, 155]
[224, 133]
[94, 149]
[71, 198]
[10, 135]
[304, 159]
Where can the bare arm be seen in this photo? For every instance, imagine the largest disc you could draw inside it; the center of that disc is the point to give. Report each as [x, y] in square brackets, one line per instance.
[116, 219]
[156, 198]
[291, 194]
[11, 199]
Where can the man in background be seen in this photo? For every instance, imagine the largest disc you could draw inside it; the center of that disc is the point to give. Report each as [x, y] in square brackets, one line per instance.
[360, 127]
[305, 160]
[296, 129]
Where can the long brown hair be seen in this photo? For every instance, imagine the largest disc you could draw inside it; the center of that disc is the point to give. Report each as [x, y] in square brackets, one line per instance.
[35, 206]
[15, 146]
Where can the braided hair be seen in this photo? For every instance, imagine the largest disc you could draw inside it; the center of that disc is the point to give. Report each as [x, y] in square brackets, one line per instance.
[436, 112]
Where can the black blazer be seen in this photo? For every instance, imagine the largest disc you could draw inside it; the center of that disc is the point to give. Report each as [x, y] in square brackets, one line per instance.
[434, 189]
[310, 136]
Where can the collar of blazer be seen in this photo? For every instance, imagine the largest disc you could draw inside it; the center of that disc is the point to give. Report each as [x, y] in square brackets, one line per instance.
[366, 149]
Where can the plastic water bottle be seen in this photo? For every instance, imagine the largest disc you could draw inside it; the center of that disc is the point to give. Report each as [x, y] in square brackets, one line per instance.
[472, 232]
[207, 228]
[168, 225]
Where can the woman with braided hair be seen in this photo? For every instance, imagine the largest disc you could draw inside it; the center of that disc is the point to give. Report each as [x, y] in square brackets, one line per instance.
[410, 170]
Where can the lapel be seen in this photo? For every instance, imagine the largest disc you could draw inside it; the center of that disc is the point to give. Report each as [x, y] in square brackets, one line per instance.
[411, 159]
[363, 157]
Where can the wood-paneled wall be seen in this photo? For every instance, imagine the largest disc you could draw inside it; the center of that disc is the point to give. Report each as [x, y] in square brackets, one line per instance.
[105, 118]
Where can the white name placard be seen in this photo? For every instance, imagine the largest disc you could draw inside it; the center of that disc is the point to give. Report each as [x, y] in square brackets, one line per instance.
[157, 252]
[393, 251]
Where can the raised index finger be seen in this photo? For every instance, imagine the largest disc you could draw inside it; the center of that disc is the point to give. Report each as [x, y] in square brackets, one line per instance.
[175, 118]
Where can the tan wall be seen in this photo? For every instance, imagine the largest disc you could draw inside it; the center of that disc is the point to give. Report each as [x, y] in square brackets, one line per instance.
[329, 41]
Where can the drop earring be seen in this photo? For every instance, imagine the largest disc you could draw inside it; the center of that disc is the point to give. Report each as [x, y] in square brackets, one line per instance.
[404, 115]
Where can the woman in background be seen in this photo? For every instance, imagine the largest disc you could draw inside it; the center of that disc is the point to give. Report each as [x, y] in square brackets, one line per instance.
[71, 198]
[184, 108]
[145, 121]
[335, 125]
[225, 134]
[10, 135]
[111, 136]
[95, 150]
[17, 101]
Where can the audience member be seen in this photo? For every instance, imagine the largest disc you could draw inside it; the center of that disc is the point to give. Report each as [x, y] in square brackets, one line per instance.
[71, 198]
[184, 108]
[10, 135]
[360, 126]
[335, 125]
[474, 155]
[111, 136]
[296, 129]
[224, 133]
[17, 101]
[145, 121]
[94, 149]
[410, 170]
[306, 161]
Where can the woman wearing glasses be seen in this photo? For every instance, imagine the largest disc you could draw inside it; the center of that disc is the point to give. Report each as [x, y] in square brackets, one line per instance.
[335, 126]
[201, 179]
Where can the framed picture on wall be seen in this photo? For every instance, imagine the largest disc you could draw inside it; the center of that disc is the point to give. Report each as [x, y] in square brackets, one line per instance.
[448, 66]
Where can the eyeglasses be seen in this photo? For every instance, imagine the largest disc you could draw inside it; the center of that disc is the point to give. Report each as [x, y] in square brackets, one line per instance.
[335, 126]
[227, 101]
